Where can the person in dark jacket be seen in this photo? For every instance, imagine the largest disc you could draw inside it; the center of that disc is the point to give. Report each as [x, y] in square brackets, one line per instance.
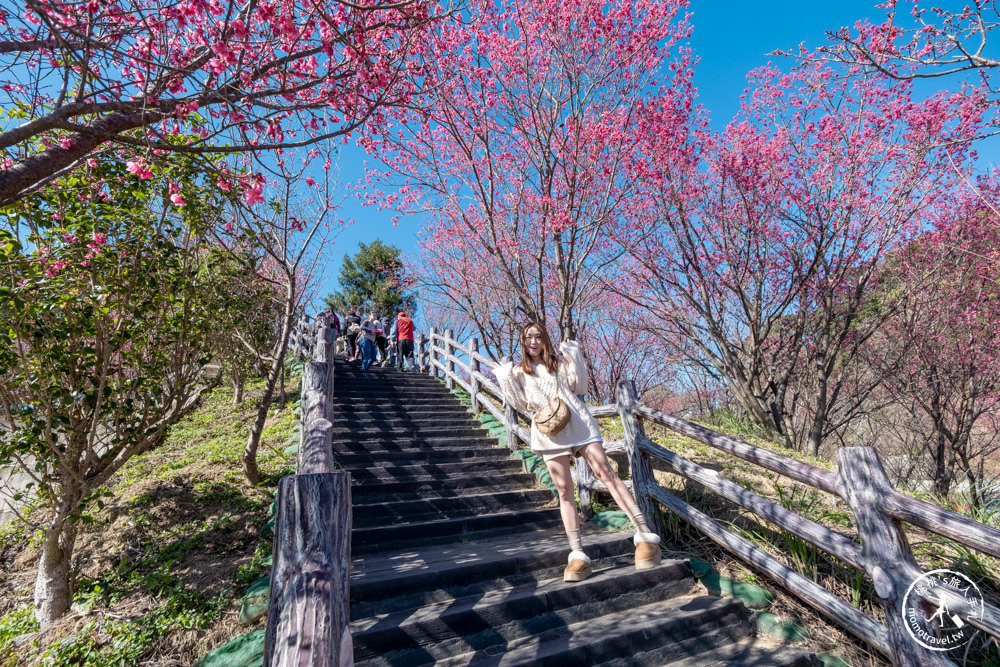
[352, 336]
[382, 342]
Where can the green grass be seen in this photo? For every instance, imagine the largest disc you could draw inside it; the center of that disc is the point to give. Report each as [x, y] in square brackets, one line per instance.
[216, 433]
[17, 622]
[199, 506]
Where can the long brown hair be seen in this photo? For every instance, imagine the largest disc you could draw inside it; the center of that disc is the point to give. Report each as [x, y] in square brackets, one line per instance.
[549, 359]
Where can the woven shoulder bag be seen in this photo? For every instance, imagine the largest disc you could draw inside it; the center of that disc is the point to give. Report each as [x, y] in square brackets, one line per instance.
[554, 416]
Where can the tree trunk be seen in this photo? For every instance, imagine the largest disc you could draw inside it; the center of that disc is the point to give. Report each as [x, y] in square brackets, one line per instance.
[281, 385]
[815, 438]
[238, 383]
[253, 441]
[942, 476]
[53, 586]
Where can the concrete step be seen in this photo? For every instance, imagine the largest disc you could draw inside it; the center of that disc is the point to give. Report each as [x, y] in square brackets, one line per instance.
[440, 629]
[470, 504]
[583, 635]
[409, 577]
[364, 421]
[427, 471]
[387, 377]
[388, 395]
[353, 369]
[395, 380]
[366, 433]
[448, 407]
[440, 487]
[419, 533]
[393, 444]
[349, 402]
[750, 652]
[367, 459]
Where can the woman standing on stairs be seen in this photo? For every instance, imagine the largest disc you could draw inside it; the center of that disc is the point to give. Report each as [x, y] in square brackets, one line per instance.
[530, 385]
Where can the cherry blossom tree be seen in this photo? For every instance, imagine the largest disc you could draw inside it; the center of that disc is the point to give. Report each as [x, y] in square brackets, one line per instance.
[485, 302]
[282, 247]
[245, 76]
[523, 143]
[760, 251]
[919, 41]
[938, 351]
[619, 343]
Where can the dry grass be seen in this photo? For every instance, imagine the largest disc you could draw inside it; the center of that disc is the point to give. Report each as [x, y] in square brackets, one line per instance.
[839, 578]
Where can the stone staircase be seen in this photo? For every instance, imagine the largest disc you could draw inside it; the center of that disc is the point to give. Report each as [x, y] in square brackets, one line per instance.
[458, 556]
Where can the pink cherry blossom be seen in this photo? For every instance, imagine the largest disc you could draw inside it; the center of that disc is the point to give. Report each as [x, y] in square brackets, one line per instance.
[138, 168]
[254, 194]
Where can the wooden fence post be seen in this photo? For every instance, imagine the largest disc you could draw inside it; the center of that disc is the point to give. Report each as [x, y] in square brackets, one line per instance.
[305, 348]
[420, 353]
[309, 607]
[642, 471]
[324, 352]
[449, 351]
[316, 398]
[584, 480]
[430, 354]
[510, 424]
[474, 365]
[889, 560]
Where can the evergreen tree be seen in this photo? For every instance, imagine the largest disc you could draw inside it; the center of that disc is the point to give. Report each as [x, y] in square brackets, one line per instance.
[374, 278]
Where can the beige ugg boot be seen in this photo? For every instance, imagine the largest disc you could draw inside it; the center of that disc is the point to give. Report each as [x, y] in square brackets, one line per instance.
[578, 568]
[647, 550]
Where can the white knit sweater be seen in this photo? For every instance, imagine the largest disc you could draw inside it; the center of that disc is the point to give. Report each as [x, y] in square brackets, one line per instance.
[530, 393]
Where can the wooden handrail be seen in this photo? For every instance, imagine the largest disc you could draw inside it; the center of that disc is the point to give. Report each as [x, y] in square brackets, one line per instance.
[938, 520]
[601, 411]
[884, 556]
[308, 611]
[784, 465]
[828, 540]
[859, 623]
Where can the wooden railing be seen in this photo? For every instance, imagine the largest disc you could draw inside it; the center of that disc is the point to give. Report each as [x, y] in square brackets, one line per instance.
[308, 612]
[883, 554]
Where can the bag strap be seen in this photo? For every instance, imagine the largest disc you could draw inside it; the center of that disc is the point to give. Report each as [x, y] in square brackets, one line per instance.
[556, 383]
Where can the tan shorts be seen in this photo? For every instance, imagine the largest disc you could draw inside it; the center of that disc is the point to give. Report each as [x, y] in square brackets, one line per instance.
[574, 450]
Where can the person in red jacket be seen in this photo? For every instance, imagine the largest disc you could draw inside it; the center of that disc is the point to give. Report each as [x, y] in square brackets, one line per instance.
[403, 328]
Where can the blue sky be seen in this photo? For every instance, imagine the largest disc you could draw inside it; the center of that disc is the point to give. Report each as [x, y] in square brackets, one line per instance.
[731, 37]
